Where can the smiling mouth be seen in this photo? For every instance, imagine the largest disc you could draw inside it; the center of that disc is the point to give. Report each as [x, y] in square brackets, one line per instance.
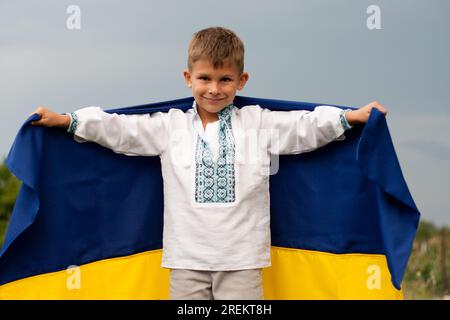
[213, 100]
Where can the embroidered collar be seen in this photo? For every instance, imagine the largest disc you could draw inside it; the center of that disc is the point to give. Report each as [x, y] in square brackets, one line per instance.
[225, 110]
[215, 180]
[223, 114]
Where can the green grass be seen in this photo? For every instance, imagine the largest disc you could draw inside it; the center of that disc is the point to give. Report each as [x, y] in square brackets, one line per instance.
[3, 225]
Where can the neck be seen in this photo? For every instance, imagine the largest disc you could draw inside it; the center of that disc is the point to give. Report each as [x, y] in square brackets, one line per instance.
[207, 117]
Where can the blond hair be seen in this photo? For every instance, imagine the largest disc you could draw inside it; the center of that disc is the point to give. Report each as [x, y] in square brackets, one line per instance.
[216, 44]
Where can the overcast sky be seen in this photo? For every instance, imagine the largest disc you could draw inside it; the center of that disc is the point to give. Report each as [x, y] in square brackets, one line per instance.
[133, 52]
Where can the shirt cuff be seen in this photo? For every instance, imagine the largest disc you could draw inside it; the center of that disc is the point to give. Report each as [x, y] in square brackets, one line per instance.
[73, 122]
[343, 119]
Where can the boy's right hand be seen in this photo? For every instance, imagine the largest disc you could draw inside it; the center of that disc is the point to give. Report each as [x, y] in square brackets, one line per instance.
[51, 119]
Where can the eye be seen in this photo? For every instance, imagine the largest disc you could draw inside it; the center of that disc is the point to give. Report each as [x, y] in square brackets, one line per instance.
[227, 79]
[203, 78]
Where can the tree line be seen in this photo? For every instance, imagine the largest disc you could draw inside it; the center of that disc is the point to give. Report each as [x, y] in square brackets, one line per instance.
[9, 189]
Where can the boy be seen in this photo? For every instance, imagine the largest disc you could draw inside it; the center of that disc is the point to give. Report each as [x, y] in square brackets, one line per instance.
[216, 236]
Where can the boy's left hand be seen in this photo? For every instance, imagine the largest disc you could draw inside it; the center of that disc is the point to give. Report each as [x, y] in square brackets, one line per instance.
[362, 114]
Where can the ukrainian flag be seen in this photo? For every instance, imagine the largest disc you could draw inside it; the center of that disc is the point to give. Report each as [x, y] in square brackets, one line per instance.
[87, 223]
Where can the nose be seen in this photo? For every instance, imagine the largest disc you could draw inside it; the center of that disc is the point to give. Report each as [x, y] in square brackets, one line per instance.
[213, 89]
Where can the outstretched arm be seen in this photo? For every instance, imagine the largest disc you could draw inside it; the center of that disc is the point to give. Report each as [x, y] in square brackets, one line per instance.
[299, 131]
[134, 135]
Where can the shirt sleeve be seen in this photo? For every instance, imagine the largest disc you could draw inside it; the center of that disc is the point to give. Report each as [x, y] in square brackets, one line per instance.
[133, 135]
[298, 131]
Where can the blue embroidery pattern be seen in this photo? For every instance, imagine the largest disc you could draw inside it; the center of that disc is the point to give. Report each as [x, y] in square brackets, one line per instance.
[344, 121]
[73, 122]
[215, 181]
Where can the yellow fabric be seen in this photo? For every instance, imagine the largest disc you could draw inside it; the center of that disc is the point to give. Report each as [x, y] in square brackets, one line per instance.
[138, 276]
[303, 274]
[295, 274]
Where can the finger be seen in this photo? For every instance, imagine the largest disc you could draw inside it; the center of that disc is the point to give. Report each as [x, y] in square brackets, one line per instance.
[382, 109]
[39, 122]
[375, 103]
[39, 110]
[35, 112]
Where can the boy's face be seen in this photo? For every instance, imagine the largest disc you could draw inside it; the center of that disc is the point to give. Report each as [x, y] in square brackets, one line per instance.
[213, 89]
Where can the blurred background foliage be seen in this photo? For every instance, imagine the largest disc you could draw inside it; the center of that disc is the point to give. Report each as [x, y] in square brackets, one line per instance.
[9, 188]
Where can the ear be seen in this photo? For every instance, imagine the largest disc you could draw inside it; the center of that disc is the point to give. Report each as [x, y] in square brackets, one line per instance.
[243, 80]
[187, 78]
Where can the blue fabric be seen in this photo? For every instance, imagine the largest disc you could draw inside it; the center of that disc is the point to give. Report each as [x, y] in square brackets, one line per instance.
[81, 203]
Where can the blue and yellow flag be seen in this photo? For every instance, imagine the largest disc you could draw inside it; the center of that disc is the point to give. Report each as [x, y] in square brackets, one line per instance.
[87, 223]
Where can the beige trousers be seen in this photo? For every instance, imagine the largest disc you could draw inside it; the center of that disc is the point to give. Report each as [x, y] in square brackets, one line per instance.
[216, 285]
